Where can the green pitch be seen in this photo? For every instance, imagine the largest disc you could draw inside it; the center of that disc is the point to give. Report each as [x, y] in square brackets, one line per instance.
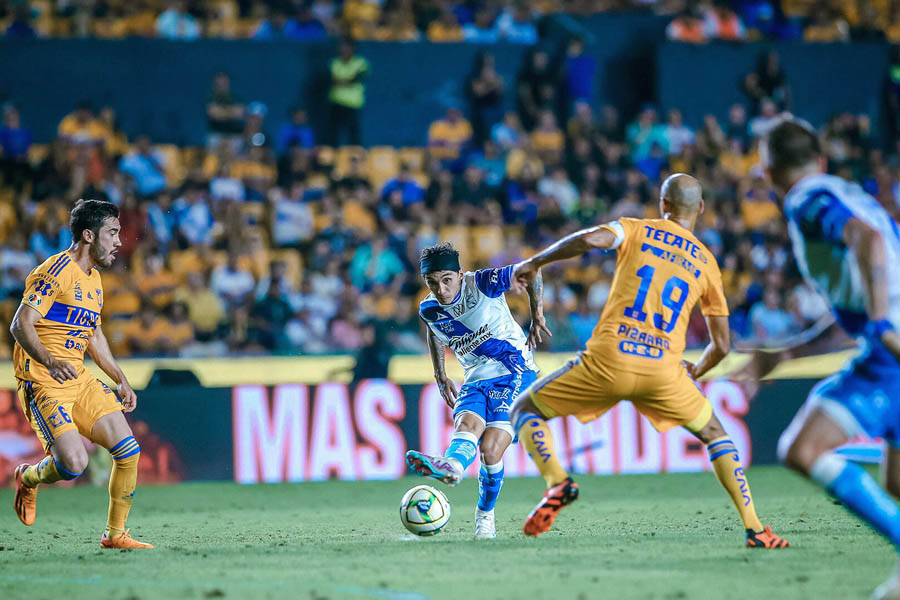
[669, 536]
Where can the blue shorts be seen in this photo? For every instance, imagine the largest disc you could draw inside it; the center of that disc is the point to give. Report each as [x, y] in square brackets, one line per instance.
[864, 398]
[490, 399]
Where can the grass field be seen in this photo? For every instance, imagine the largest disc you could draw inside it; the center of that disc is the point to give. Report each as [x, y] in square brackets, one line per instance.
[669, 536]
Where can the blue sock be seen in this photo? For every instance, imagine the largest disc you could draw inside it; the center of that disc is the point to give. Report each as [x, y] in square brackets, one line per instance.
[490, 480]
[463, 447]
[860, 493]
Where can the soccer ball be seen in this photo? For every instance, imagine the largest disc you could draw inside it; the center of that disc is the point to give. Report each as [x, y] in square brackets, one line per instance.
[424, 510]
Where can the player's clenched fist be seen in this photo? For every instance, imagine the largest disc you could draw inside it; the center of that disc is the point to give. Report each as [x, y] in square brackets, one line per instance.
[127, 395]
[448, 391]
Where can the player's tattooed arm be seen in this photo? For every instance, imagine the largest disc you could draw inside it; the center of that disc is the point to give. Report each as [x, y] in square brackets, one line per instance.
[535, 289]
[868, 245]
[570, 246]
[437, 350]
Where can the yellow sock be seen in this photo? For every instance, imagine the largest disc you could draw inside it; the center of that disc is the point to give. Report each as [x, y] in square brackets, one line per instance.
[538, 441]
[730, 472]
[46, 471]
[122, 481]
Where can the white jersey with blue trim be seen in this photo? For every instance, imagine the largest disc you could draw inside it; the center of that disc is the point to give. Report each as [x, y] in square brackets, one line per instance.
[817, 209]
[479, 328]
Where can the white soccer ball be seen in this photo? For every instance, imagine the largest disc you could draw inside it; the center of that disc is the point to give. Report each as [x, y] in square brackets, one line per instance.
[424, 510]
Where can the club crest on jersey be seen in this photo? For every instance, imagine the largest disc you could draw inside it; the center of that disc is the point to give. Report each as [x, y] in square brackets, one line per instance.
[458, 310]
[78, 296]
[43, 287]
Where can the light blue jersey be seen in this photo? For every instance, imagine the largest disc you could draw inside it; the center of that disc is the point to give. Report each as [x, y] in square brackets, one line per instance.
[865, 397]
[489, 344]
[478, 327]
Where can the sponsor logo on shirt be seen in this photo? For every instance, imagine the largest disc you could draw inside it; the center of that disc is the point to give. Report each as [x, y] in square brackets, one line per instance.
[78, 296]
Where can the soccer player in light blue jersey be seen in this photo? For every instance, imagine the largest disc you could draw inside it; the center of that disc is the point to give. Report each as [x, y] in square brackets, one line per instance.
[848, 248]
[468, 313]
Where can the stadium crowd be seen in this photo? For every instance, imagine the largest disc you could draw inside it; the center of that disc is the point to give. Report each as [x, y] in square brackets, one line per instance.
[268, 240]
[512, 21]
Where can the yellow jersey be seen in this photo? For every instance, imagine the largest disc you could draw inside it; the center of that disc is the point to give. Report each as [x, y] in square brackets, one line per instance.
[662, 271]
[69, 301]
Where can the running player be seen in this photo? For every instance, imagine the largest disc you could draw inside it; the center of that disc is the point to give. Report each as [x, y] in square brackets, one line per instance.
[468, 313]
[58, 320]
[848, 248]
[635, 352]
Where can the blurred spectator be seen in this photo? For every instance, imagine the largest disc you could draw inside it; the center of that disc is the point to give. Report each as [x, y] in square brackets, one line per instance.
[225, 187]
[231, 282]
[157, 284]
[722, 22]
[536, 88]
[204, 307]
[826, 25]
[491, 162]
[307, 25]
[484, 29]
[547, 140]
[375, 352]
[405, 186]
[292, 219]
[688, 26]
[268, 319]
[557, 186]
[16, 261]
[181, 331]
[80, 126]
[580, 69]
[448, 136]
[446, 28]
[144, 167]
[768, 81]
[194, 218]
[49, 238]
[347, 94]
[374, 263]
[15, 140]
[892, 95]
[484, 89]
[737, 125]
[224, 112]
[768, 319]
[507, 134]
[677, 134]
[767, 119]
[148, 334]
[295, 132]
[515, 24]
[20, 27]
[176, 23]
[645, 132]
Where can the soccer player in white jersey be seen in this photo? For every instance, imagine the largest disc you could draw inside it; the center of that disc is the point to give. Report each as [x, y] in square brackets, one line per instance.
[848, 248]
[467, 312]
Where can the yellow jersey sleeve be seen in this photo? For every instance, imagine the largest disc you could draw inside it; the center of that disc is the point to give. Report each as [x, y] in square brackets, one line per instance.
[44, 284]
[712, 301]
[623, 229]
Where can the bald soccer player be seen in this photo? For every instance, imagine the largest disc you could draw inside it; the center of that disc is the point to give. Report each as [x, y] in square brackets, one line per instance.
[635, 351]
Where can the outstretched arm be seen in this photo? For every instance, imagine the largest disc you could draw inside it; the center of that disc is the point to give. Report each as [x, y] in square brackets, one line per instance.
[102, 355]
[570, 246]
[535, 289]
[437, 349]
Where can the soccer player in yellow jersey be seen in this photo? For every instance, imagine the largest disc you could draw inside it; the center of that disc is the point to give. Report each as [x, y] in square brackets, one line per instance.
[58, 320]
[635, 351]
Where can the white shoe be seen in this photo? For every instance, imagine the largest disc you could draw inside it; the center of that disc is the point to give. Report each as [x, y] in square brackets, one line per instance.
[484, 525]
[890, 589]
[447, 470]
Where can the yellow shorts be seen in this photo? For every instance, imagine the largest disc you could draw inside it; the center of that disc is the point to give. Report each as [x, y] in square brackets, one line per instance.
[53, 409]
[582, 389]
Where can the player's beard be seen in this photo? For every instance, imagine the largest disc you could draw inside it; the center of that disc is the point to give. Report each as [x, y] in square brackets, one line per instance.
[101, 257]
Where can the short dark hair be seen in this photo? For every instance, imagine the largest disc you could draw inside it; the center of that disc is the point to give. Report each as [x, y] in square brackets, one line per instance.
[443, 249]
[792, 144]
[90, 214]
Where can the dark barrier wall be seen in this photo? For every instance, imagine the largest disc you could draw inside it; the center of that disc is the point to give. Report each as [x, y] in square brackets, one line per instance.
[161, 87]
[824, 78]
[298, 432]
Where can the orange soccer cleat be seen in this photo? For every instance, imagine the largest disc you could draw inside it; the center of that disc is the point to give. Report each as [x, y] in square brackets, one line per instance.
[541, 518]
[122, 541]
[765, 539]
[25, 500]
